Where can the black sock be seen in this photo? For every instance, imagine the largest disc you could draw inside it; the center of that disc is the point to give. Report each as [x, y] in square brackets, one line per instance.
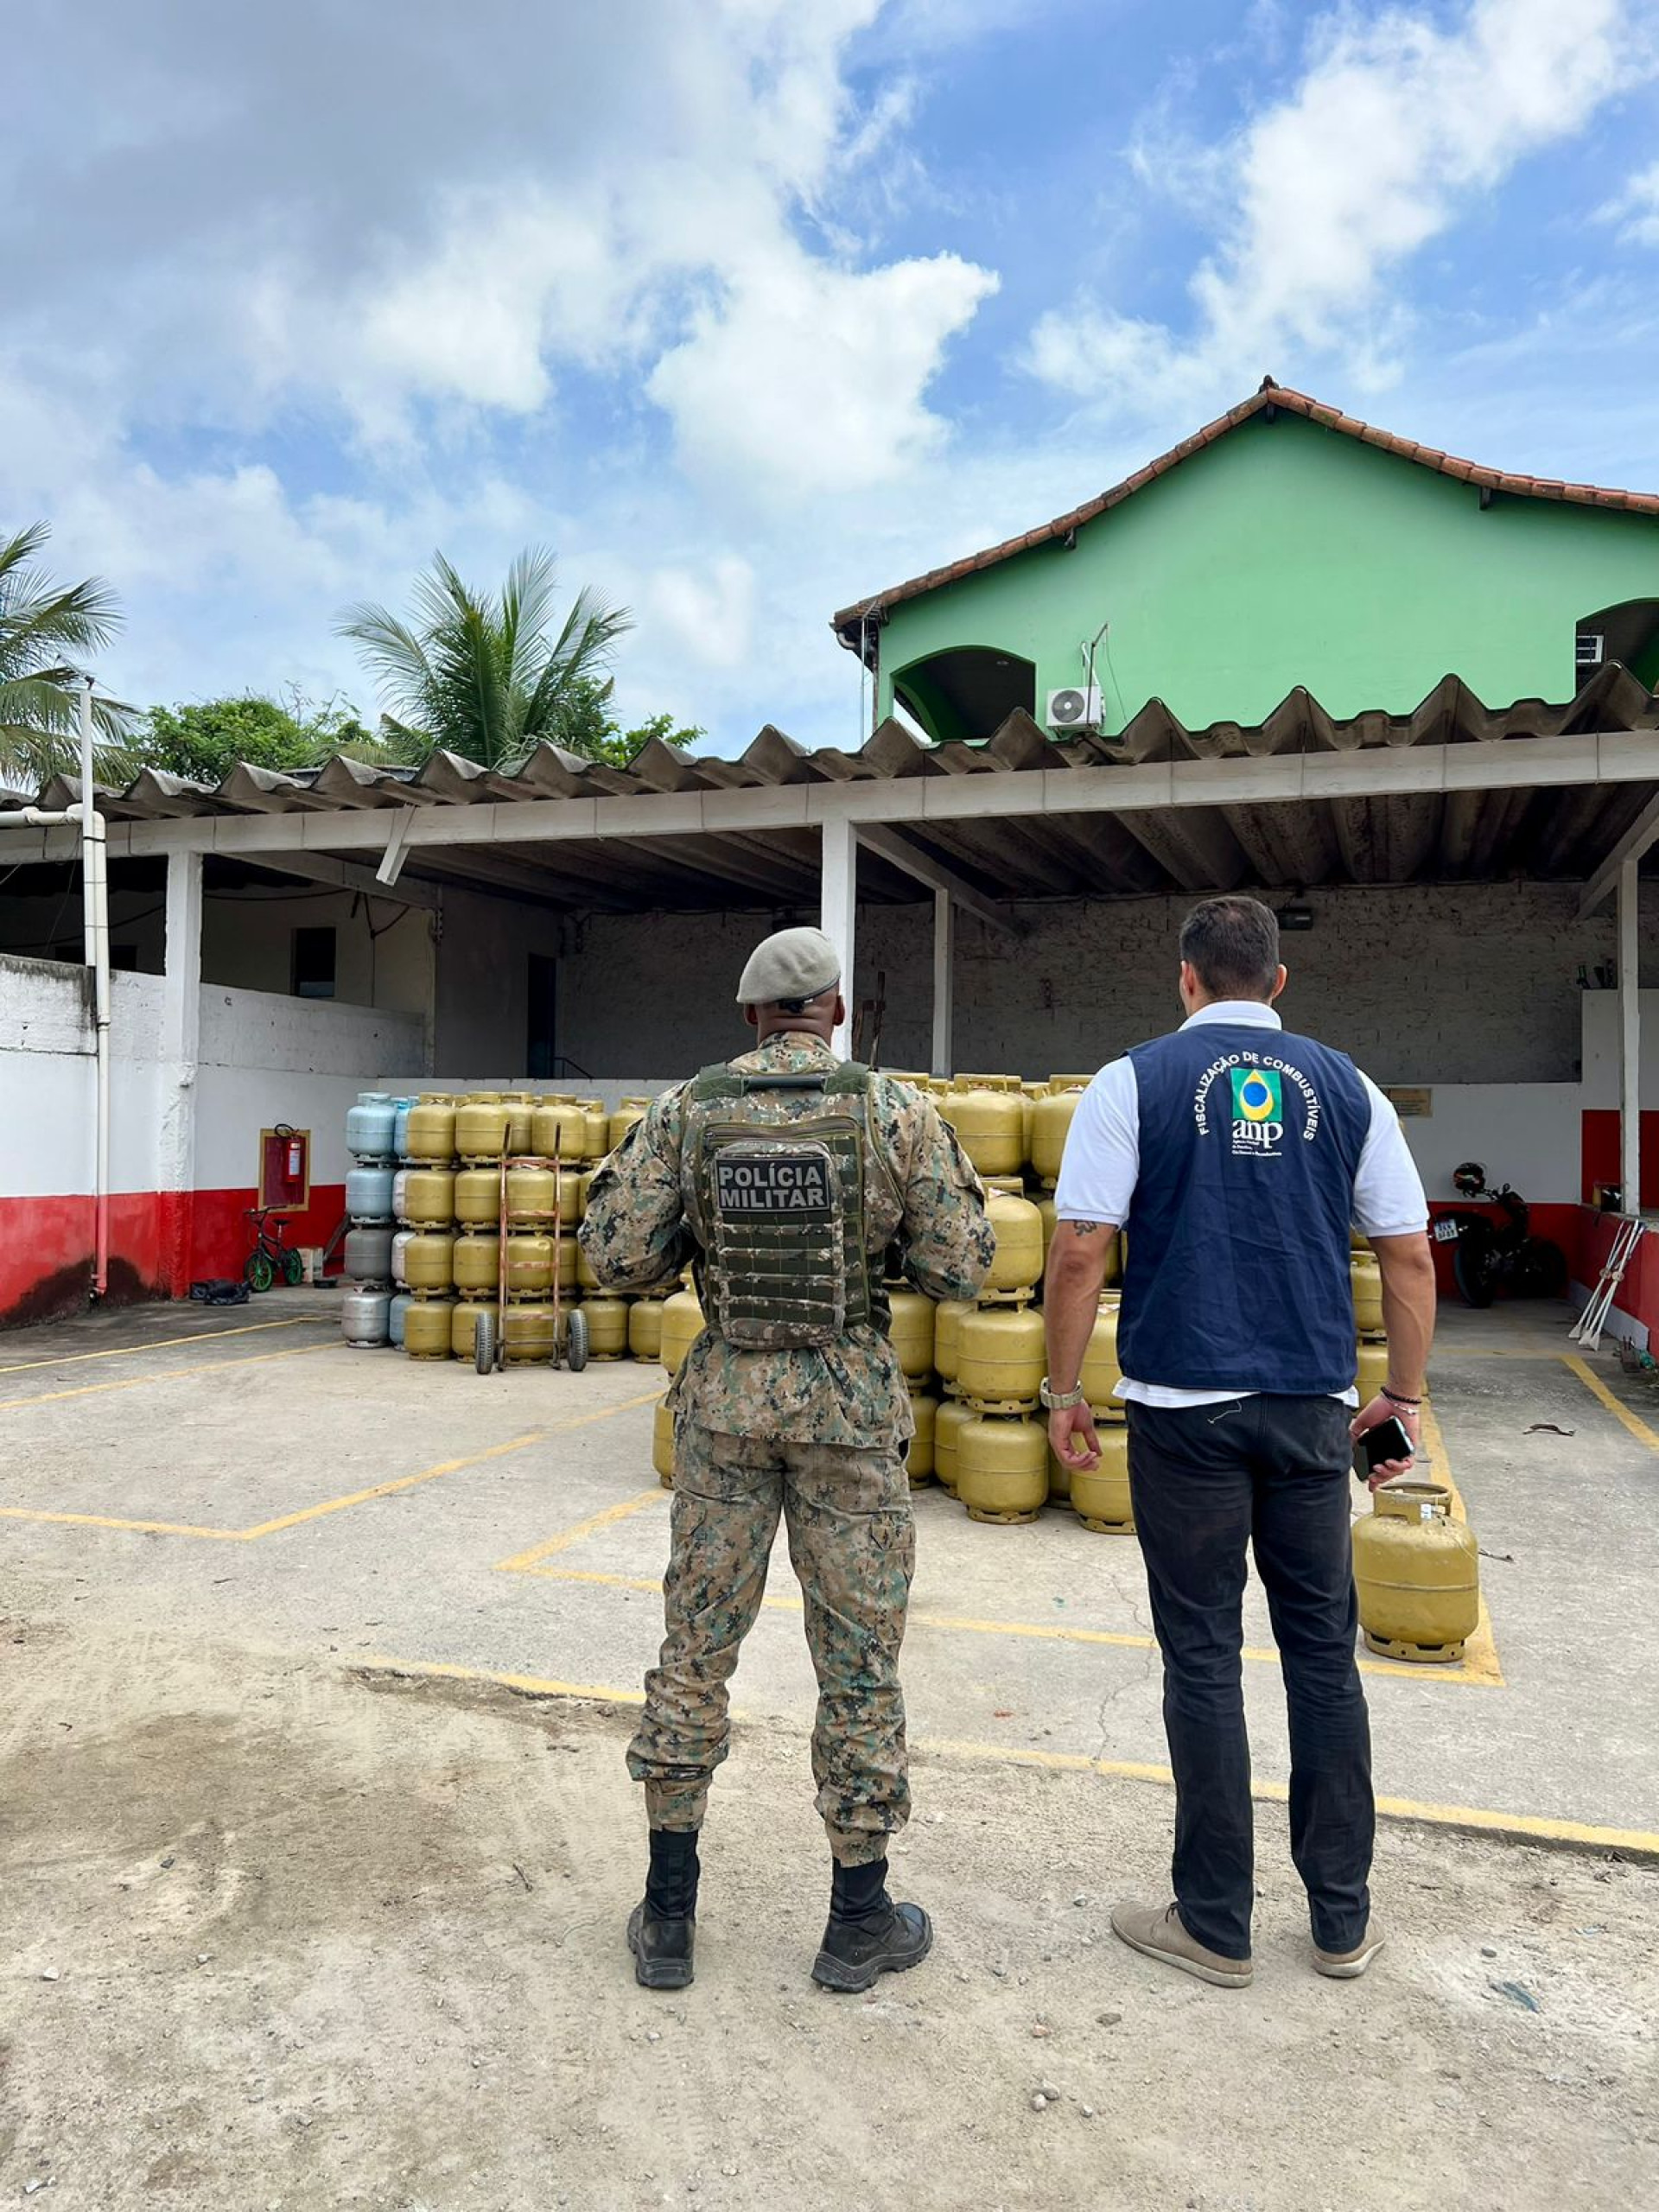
[672, 1884]
[859, 1893]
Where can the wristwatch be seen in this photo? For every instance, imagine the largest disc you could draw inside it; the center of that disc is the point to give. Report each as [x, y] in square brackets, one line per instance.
[1059, 1401]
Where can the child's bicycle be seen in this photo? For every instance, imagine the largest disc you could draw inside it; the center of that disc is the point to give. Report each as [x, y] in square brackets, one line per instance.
[270, 1258]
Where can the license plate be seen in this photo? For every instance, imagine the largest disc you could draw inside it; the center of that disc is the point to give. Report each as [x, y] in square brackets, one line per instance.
[1445, 1232]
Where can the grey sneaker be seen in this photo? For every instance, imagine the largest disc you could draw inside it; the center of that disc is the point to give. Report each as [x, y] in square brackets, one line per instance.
[1157, 1932]
[1348, 1966]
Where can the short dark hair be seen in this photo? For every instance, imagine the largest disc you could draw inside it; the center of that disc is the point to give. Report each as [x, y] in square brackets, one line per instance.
[1233, 945]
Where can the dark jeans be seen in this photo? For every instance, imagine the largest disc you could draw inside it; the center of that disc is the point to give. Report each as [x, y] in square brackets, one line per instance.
[1206, 1480]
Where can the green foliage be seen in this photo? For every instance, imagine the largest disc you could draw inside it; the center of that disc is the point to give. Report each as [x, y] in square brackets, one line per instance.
[485, 675]
[46, 632]
[587, 726]
[206, 738]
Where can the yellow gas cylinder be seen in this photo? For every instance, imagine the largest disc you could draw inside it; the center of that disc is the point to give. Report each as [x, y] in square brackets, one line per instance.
[432, 1126]
[911, 1329]
[1050, 1122]
[1117, 1259]
[629, 1111]
[607, 1326]
[565, 1269]
[477, 1198]
[1002, 1468]
[1368, 1292]
[463, 1324]
[682, 1326]
[1418, 1574]
[530, 1195]
[530, 1264]
[481, 1121]
[558, 1128]
[477, 1264]
[428, 1328]
[429, 1197]
[1000, 1359]
[429, 1260]
[918, 1453]
[1100, 1374]
[645, 1328]
[947, 1427]
[572, 1195]
[1029, 1094]
[521, 1113]
[585, 1275]
[662, 1444]
[916, 1079]
[988, 1124]
[1017, 1264]
[1059, 1480]
[527, 1335]
[1373, 1370]
[1100, 1495]
[1045, 1214]
[596, 1128]
[1359, 1241]
[947, 1339]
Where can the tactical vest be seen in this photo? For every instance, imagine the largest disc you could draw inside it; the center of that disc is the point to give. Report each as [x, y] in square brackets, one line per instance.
[779, 1206]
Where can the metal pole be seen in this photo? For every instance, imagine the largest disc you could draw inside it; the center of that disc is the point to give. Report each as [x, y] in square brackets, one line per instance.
[945, 946]
[95, 896]
[1629, 1039]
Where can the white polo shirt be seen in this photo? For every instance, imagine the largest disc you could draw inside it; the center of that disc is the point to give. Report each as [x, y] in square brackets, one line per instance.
[1102, 1167]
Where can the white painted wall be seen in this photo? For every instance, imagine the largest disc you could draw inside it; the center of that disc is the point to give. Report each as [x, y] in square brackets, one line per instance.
[1600, 1012]
[266, 1058]
[480, 1015]
[48, 1083]
[1526, 1133]
[383, 952]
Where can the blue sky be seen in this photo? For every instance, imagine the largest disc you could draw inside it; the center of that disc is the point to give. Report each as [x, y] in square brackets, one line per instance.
[748, 308]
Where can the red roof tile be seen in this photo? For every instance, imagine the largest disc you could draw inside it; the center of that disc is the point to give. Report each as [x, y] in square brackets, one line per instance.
[1277, 396]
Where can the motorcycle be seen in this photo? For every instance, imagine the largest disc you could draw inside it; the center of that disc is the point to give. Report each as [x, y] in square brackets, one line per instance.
[1494, 1255]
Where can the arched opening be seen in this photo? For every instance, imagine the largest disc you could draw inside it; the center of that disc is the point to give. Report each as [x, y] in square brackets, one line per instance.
[1628, 634]
[968, 692]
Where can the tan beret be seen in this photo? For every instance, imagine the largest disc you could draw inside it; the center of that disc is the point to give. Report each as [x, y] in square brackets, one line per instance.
[789, 965]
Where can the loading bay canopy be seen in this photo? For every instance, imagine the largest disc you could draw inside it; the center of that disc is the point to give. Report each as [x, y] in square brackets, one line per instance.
[1454, 790]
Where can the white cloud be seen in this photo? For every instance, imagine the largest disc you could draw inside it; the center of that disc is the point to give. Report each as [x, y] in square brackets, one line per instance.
[1395, 129]
[1636, 209]
[808, 378]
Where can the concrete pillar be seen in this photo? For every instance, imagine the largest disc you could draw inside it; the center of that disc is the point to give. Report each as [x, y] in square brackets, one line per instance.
[839, 909]
[1630, 1037]
[181, 1035]
[945, 949]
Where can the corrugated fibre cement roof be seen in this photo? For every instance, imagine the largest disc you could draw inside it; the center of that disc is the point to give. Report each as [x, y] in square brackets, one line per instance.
[1481, 834]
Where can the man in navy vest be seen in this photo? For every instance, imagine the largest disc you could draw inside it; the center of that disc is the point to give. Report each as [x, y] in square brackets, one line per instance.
[1238, 1156]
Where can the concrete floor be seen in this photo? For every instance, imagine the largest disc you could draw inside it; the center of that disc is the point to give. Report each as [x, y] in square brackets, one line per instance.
[245, 1473]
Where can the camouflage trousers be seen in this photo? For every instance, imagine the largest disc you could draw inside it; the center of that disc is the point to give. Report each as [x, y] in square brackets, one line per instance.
[852, 1545]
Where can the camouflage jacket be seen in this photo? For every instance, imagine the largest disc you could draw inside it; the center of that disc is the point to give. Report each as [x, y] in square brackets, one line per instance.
[636, 1236]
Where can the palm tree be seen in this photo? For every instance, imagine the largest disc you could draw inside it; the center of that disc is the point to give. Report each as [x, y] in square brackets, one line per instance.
[482, 675]
[46, 632]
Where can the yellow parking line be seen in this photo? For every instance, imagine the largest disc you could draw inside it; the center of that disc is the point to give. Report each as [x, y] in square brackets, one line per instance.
[167, 1375]
[526, 1562]
[1040, 1631]
[166, 1344]
[1543, 1827]
[1594, 1383]
[111, 1521]
[389, 1490]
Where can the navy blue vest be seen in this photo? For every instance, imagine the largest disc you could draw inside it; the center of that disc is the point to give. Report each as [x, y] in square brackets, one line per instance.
[1237, 1275]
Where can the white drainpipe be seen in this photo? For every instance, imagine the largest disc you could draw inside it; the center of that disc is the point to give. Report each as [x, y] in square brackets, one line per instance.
[95, 899]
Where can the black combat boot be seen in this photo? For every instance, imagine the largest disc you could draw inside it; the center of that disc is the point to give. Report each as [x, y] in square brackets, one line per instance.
[868, 1934]
[663, 1930]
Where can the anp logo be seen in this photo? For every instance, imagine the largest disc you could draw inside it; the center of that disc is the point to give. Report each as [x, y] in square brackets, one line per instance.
[1256, 1095]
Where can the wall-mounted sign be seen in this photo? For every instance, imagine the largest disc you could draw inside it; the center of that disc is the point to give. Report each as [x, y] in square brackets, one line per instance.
[1410, 1105]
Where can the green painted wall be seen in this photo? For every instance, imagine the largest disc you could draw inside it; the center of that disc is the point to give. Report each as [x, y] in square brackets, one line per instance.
[1288, 553]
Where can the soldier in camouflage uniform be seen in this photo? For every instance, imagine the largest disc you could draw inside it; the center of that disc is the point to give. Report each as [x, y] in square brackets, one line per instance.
[787, 1180]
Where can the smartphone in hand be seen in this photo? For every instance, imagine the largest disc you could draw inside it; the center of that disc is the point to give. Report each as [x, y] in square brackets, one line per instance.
[1388, 1440]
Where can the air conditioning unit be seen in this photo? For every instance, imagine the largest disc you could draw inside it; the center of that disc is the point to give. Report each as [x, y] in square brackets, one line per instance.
[1590, 648]
[1074, 708]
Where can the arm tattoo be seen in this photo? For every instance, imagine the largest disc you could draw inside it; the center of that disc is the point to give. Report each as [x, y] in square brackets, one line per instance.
[1085, 1229]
